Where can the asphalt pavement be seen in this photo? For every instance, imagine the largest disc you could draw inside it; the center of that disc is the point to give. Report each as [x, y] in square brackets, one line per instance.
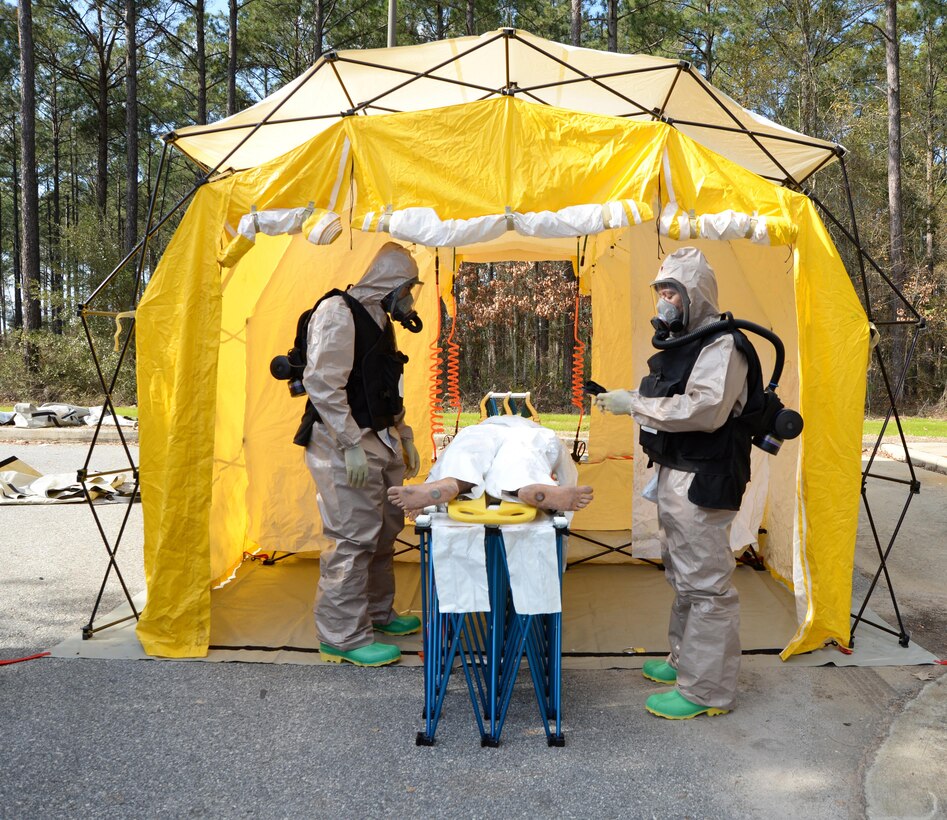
[142, 739]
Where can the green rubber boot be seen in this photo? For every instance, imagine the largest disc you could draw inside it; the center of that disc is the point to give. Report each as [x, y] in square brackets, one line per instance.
[659, 671]
[674, 706]
[375, 654]
[402, 625]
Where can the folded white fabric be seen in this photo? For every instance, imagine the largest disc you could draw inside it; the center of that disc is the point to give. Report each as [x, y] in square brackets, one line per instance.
[534, 568]
[460, 567]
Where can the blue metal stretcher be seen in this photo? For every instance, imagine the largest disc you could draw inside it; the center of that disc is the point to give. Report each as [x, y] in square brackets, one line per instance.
[490, 645]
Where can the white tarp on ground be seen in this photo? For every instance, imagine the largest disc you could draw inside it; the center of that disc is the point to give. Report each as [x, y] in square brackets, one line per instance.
[22, 484]
[29, 416]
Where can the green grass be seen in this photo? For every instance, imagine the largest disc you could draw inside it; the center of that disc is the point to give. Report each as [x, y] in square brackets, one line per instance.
[566, 423]
[560, 422]
[913, 426]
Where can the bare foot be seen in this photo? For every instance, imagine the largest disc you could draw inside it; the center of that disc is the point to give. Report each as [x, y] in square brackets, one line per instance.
[416, 497]
[552, 497]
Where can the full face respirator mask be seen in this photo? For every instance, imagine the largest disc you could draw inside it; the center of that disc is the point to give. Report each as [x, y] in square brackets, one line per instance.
[669, 316]
[399, 305]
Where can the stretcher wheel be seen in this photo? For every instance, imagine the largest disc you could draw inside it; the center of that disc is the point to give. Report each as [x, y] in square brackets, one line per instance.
[555, 740]
[422, 739]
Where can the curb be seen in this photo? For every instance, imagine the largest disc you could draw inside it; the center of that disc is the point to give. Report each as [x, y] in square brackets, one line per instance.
[65, 435]
[924, 461]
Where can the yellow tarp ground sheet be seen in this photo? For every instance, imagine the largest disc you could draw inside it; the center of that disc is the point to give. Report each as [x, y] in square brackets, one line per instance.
[220, 475]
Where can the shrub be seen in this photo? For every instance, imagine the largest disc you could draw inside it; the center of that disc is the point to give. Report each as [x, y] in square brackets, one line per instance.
[64, 369]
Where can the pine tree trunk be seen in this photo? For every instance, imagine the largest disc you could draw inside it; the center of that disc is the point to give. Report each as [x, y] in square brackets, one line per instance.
[17, 292]
[232, 52]
[102, 146]
[930, 92]
[612, 25]
[895, 212]
[201, 55]
[470, 21]
[29, 189]
[576, 28]
[58, 298]
[131, 127]
[3, 282]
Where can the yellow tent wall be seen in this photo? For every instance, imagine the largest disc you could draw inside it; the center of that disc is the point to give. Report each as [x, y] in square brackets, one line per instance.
[220, 475]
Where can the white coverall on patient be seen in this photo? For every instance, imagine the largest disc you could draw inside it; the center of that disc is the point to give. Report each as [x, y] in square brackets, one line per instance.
[498, 456]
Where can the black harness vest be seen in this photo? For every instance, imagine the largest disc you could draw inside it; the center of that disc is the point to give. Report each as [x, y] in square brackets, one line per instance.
[719, 459]
[373, 388]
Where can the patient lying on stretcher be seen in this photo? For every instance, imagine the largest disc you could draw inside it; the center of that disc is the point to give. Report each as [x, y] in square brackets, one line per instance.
[509, 458]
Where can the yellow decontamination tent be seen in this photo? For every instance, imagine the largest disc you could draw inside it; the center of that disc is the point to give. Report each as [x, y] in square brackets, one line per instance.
[503, 164]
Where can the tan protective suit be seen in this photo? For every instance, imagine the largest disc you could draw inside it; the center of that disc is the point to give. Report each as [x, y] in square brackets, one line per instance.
[356, 584]
[705, 617]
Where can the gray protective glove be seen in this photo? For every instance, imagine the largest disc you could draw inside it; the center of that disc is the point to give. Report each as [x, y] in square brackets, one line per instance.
[412, 459]
[618, 402]
[356, 466]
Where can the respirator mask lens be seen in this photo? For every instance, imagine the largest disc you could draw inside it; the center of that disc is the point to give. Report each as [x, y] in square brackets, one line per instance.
[399, 305]
[668, 313]
[669, 318]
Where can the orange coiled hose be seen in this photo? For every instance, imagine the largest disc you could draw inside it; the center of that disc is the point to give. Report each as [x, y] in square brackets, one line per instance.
[435, 412]
[453, 373]
[578, 373]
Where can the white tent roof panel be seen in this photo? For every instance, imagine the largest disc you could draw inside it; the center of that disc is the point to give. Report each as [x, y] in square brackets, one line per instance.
[450, 72]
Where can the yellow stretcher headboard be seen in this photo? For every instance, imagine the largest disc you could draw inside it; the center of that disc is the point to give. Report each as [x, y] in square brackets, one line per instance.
[476, 511]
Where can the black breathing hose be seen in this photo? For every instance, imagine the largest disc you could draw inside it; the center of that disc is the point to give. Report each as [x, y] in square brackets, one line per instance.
[664, 342]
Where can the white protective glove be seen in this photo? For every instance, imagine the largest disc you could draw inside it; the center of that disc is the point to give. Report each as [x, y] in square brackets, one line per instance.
[618, 402]
[356, 466]
[412, 459]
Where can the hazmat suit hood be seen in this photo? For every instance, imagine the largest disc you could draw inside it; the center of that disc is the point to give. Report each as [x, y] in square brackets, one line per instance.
[392, 266]
[689, 268]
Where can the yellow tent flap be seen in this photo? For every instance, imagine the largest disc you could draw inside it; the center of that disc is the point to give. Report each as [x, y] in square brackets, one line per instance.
[220, 476]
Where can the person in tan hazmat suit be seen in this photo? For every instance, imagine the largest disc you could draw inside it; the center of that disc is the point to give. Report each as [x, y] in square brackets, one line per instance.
[691, 410]
[357, 447]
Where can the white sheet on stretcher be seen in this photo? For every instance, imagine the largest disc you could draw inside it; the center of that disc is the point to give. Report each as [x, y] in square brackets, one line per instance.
[460, 568]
